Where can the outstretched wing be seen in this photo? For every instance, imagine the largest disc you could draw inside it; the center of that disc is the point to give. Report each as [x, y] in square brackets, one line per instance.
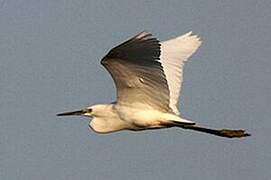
[138, 75]
[174, 53]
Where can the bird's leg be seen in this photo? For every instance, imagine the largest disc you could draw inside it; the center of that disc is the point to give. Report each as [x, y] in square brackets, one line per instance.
[229, 133]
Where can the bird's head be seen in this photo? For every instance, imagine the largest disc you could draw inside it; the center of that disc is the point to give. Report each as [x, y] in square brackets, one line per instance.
[88, 112]
[91, 111]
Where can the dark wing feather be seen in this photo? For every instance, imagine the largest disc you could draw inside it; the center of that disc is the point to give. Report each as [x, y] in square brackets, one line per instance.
[138, 75]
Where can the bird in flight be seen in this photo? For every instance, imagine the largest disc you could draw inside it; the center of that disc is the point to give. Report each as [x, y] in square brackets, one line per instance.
[148, 75]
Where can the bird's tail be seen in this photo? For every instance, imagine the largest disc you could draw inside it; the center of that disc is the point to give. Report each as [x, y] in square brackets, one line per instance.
[229, 133]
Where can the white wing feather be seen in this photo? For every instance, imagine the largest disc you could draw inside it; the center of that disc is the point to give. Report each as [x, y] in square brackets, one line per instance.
[174, 53]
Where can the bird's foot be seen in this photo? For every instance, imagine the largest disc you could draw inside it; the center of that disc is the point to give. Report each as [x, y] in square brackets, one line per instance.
[231, 133]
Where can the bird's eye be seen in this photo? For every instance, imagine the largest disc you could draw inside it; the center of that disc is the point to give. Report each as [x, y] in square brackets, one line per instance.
[89, 110]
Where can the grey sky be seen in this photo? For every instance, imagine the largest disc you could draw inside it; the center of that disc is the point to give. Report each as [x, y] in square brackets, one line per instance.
[50, 55]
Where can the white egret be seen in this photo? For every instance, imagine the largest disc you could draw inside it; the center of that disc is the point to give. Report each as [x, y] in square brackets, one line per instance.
[148, 77]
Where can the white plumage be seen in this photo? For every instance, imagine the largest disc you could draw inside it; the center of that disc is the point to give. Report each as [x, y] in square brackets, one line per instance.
[174, 53]
[148, 77]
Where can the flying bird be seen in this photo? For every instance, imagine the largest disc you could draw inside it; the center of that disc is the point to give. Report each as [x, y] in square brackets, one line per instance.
[148, 75]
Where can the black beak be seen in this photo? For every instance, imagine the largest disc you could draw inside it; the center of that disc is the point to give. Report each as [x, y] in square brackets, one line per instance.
[73, 113]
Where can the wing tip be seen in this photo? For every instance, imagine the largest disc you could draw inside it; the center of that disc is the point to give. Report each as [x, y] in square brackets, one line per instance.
[192, 35]
[143, 35]
[187, 40]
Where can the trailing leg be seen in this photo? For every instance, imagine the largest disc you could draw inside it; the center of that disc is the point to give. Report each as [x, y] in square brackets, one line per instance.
[229, 133]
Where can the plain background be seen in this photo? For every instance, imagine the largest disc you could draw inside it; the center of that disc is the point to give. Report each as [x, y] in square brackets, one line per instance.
[50, 55]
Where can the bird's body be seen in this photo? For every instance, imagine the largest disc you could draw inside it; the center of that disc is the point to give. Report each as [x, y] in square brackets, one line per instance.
[148, 77]
[113, 117]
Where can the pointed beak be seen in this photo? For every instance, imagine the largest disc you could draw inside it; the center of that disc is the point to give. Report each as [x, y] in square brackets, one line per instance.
[73, 113]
